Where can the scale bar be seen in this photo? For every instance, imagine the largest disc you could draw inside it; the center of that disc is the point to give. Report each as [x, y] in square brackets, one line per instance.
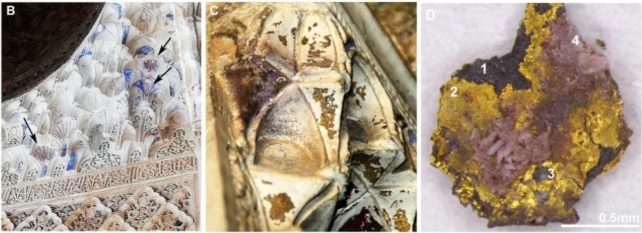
[600, 226]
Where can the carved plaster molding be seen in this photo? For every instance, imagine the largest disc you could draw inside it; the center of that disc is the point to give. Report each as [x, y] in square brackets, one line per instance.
[110, 136]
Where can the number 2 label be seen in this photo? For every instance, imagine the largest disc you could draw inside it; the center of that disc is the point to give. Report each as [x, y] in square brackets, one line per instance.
[453, 92]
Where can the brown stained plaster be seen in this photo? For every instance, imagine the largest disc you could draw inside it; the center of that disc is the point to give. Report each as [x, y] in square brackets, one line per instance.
[362, 222]
[372, 168]
[283, 40]
[401, 220]
[328, 109]
[281, 204]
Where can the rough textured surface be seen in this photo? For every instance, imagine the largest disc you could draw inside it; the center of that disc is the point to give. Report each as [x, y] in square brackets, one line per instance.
[521, 139]
[38, 39]
[399, 21]
[280, 204]
[302, 117]
[115, 149]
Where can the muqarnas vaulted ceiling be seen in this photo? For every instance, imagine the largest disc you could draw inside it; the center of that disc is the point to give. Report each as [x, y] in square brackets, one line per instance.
[112, 140]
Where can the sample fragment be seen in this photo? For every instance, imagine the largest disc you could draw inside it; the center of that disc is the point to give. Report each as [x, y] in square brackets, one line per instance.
[521, 135]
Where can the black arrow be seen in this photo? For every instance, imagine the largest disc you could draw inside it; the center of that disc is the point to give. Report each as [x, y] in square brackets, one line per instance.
[33, 136]
[160, 77]
[163, 47]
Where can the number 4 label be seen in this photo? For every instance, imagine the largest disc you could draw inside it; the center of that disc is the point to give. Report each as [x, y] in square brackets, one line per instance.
[576, 40]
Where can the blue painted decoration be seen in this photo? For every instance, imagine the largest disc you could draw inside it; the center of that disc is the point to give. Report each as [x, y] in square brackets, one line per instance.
[64, 151]
[118, 8]
[127, 73]
[72, 161]
[125, 33]
[141, 85]
[412, 137]
[85, 51]
[145, 50]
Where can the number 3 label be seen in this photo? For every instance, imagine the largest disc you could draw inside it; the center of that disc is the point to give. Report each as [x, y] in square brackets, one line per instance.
[551, 173]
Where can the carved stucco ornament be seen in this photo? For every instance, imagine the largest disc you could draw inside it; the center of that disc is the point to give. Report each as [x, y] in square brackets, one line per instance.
[89, 216]
[115, 223]
[110, 139]
[7, 225]
[42, 219]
